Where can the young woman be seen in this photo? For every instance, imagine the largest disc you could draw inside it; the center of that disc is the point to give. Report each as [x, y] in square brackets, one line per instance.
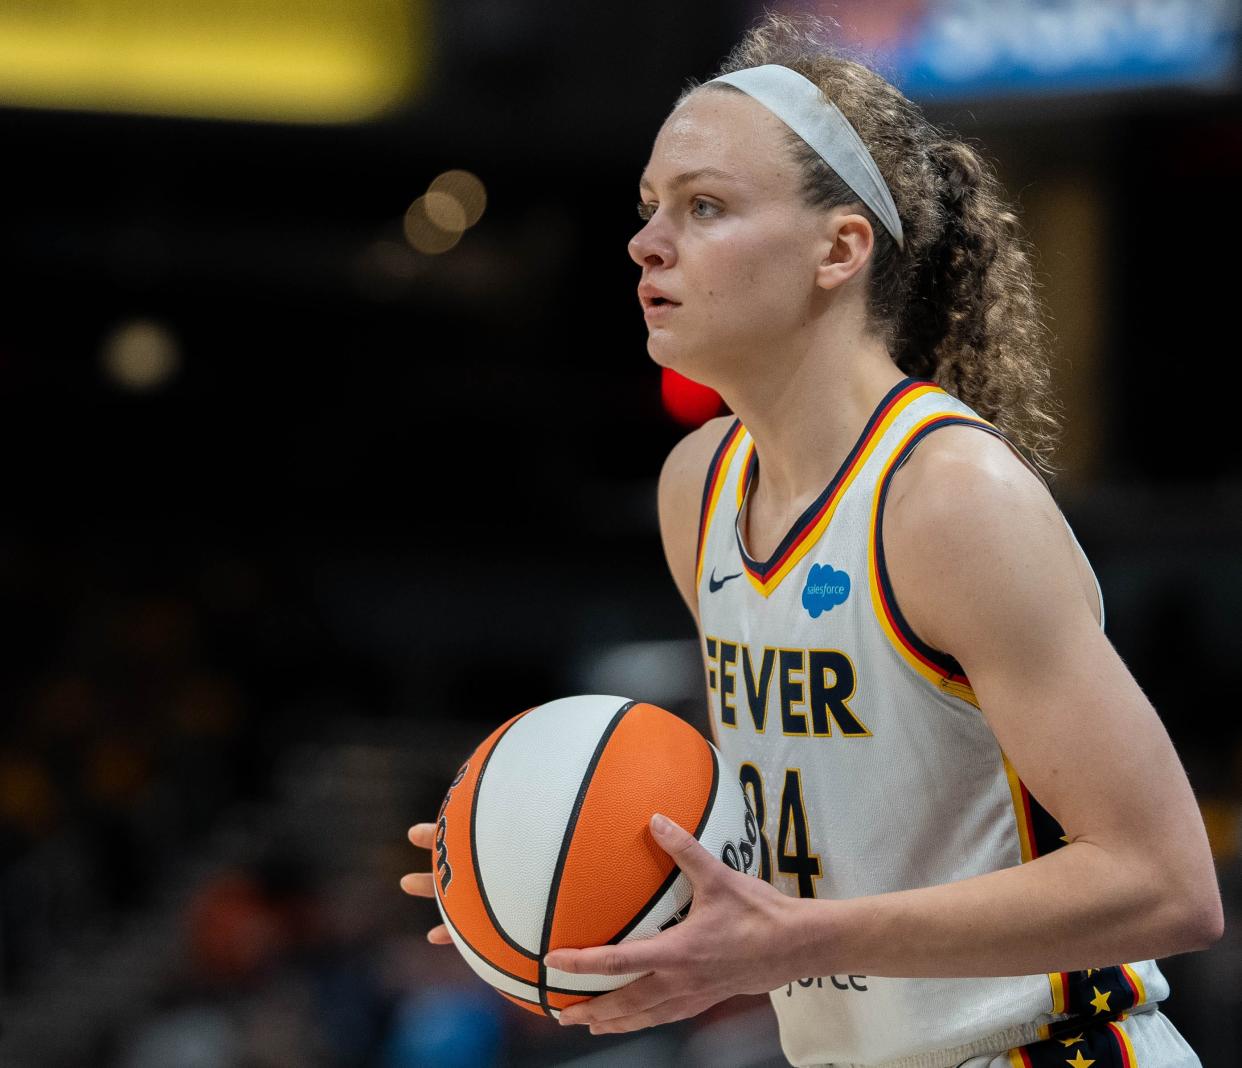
[904, 643]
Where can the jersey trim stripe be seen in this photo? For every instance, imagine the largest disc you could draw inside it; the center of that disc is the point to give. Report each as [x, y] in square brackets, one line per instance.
[743, 483]
[1022, 817]
[1102, 1043]
[895, 623]
[1136, 984]
[935, 665]
[1058, 981]
[766, 576]
[711, 491]
[1038, 829]
[938, 667]
[1123, 1044]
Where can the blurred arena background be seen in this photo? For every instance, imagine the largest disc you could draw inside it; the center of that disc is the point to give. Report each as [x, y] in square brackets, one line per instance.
[271, 377]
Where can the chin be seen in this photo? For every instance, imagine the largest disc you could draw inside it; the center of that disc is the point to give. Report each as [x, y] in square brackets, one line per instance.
[668, 352]
[693, 365]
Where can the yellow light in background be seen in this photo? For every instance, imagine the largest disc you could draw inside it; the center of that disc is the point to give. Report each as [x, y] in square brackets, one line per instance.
[466, 189]
[453, 203]
[273, 60]
[141, 355]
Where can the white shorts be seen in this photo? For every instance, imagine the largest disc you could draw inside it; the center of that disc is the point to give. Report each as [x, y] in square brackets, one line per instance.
[1145, 1039]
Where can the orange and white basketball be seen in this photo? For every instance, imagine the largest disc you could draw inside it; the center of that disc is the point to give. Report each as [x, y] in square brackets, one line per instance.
[543, 839]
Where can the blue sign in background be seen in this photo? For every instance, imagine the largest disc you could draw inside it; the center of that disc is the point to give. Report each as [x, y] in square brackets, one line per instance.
[944, 49]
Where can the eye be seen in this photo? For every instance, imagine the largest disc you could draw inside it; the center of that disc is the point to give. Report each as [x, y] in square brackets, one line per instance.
[698, 202]
[645, 211]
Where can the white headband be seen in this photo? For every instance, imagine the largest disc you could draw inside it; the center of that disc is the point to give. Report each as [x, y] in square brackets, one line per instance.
[799, 104]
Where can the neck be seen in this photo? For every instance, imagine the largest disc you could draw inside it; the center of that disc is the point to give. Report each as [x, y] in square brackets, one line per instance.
[807, 416]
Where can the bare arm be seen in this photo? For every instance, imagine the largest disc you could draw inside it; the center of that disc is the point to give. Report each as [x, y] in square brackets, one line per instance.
[989, 573]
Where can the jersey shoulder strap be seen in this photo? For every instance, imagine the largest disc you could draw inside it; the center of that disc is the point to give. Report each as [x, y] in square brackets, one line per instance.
[713, 487]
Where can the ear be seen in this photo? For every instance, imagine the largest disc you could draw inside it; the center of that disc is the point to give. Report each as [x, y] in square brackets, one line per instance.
[846, 248]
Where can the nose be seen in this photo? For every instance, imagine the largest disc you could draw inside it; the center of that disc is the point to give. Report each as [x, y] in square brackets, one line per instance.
[651, 247]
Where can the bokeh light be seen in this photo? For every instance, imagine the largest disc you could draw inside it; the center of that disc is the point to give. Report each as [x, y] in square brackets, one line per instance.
[687, 401]
[424, 233]
[466, 189]
[453, 203]
[141, 355]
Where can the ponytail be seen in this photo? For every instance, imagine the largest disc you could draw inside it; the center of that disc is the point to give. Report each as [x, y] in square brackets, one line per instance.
[972, 323]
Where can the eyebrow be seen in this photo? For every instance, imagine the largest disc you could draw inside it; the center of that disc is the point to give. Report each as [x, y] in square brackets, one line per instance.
[690, 176]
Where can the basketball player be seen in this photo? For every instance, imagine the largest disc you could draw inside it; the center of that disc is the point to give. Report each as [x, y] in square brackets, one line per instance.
[976, 834]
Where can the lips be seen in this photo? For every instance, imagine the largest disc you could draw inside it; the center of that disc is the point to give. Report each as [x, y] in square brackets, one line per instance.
[650, 298]
[658, 311]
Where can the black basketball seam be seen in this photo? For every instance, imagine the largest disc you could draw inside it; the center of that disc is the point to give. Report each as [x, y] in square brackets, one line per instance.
[554, 990]
[510, 975]
[579, 993]
[517, 978]
[570, 826]
[474, 853]
[672, 875]
[482, 956]
[518, 997]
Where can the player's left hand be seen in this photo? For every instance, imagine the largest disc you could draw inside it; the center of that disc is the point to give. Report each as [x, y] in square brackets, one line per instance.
[731, 943]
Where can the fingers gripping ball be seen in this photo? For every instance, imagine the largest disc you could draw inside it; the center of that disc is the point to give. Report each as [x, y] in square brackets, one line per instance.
[543, 839]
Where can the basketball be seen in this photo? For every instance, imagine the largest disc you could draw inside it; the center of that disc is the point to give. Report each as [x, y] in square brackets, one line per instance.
[542, 841]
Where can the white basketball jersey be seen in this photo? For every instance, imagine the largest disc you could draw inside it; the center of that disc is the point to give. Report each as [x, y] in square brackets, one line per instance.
[865, 755]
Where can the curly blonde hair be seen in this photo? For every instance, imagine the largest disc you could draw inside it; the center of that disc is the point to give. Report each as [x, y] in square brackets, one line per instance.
[957, 305]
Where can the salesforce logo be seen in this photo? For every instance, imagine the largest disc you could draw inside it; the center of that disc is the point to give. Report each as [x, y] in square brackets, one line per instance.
[824, 589]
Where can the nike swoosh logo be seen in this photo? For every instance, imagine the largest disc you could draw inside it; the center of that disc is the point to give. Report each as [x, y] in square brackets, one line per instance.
[713, 585]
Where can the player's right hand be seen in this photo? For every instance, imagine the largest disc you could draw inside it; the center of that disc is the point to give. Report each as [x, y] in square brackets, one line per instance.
[419, 884]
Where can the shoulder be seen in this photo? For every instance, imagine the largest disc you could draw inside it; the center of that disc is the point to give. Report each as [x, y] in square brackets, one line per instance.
[688, 460]
[680, 498]
[976, 547]
[970, 456]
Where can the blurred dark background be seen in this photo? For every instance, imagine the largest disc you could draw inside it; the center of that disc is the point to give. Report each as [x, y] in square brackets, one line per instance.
[296, 511]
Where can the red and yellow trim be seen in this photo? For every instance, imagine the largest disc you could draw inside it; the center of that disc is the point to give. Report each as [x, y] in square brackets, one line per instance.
[765, 578]
[1059, 982]
[743, 481]
[940, 671]
[1022, 815]
[1136, 984]
[1129, 1060]
[716, 473]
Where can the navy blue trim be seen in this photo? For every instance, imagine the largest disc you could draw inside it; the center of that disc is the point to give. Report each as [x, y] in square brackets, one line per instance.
[1080, 989]
[1098, 1044]
[762, 570]
[1046, 832]
[944, 661]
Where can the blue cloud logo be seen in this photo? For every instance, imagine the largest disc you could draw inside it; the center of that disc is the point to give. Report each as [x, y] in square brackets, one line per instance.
[824, 589]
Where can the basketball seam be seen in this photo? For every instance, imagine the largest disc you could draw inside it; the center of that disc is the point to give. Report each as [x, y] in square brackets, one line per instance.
[474, 852]
[510, 975]
[672, 875]
[570, 826]
[482, 956]
[580, 993]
